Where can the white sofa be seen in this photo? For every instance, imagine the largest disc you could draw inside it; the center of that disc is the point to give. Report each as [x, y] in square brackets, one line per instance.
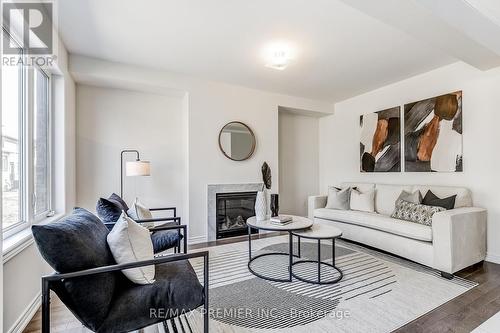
[457, 238]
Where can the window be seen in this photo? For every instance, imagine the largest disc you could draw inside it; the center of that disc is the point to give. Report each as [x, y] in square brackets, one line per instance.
[41, 144]
[12, 143]
[26, 146]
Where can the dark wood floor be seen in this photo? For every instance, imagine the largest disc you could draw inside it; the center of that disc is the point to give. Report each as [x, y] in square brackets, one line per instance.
[469, 310]
[460, 315]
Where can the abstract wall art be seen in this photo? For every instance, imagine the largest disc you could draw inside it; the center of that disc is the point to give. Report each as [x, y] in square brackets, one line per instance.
[433, 134]
[380, 143]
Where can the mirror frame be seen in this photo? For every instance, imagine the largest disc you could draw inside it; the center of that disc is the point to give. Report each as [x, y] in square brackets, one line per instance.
[253, 142]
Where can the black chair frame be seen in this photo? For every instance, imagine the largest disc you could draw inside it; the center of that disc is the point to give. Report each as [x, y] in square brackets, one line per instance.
[174, 218]
[49, 279]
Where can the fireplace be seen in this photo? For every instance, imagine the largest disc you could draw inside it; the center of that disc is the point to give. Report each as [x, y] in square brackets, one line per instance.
[232, 211]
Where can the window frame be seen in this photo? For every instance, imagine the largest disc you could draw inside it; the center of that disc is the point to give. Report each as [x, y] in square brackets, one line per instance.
[27, 215]
[42, 215]
[23, 220]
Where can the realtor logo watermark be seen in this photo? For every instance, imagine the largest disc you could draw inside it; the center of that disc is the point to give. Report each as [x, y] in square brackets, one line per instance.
[29, 38]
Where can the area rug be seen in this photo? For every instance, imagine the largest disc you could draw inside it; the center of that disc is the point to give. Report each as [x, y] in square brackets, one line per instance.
[378, 293]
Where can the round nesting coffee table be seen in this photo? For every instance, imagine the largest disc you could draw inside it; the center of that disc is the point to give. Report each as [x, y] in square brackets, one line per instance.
[299, 223]
[319, 232]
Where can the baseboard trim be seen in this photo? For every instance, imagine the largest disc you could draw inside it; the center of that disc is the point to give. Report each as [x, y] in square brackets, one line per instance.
[25, 318]
[197, 240]
[494, 258]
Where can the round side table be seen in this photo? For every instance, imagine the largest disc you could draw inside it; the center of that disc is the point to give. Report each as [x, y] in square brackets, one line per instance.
[319, 232]
[298, 223]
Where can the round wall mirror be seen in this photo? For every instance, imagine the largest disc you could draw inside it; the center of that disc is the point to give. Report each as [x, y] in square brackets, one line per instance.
[237, 141]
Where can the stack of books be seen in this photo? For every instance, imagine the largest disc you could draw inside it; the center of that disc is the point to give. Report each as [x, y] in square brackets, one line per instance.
[281, 220]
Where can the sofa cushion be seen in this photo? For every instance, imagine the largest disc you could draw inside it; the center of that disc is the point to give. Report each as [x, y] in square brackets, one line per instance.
[338, 198]
[362, 201]
[463, 199]
[176, 289]
[378, 222]
[75, 243]
[386, 197]
[431, 199]
[416, 213]
[415, 197]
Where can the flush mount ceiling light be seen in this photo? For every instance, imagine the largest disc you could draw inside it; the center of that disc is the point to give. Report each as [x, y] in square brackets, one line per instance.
[278, 55]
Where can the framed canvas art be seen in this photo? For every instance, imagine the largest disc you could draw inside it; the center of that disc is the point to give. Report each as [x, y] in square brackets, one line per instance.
[433, 134]
[380, 142]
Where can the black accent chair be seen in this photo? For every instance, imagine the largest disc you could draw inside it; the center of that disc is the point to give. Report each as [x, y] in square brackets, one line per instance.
[110, 209]
[90, 283]
[162, 236]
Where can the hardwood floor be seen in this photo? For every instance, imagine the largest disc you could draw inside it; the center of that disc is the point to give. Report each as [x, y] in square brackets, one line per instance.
[462, 314]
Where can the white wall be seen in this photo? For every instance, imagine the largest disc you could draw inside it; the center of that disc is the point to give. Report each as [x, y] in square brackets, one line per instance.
[339, 137]
[298, 161]
[110, 120]
[210, 106]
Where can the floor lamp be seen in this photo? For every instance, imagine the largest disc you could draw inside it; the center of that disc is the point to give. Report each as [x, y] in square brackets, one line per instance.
[133, 168]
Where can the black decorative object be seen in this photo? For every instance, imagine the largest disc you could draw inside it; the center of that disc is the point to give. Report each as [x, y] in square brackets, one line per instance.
[266, 175]
[275, 207]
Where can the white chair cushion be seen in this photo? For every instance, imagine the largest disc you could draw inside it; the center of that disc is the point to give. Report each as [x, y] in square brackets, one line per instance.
[130, 242]
[363, 201]
[386, 197]
[378, 222]
[143, 213]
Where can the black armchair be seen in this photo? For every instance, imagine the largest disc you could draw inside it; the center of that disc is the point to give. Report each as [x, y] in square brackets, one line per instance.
[110, 209]
[161, 235]
[89, 282]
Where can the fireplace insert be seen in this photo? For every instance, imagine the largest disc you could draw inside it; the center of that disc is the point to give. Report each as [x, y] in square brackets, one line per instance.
[233, 209]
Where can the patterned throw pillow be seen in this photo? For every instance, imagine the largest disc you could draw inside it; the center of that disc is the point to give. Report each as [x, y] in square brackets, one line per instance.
[416, 213]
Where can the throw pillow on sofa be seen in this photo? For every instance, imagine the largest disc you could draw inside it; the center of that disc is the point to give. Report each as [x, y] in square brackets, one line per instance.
[431, 199]
[338, 198]
[363, 201]
[415, 197]
[130, 242]
[416, 213]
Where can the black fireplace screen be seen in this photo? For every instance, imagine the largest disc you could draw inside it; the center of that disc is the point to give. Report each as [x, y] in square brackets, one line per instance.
[233, 209]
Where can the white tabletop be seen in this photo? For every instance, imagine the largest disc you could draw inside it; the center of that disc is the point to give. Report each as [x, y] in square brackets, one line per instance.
[319, 231]
[298, 223]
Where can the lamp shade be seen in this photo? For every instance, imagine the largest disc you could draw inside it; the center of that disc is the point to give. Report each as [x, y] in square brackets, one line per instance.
[138, 168]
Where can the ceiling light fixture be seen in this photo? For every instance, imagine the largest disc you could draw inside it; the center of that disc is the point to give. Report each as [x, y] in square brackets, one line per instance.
[278, 55]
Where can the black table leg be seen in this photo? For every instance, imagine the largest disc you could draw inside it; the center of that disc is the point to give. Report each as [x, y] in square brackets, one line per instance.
[333, 251]
[319, 261]
[298, 245]
[249, 243]
[290, 255]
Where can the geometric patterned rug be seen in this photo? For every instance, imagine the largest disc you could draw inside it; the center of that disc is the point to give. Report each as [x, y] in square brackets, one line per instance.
[378, 293]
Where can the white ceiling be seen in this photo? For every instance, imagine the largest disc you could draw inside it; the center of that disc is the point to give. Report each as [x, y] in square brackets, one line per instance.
[341, 51]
